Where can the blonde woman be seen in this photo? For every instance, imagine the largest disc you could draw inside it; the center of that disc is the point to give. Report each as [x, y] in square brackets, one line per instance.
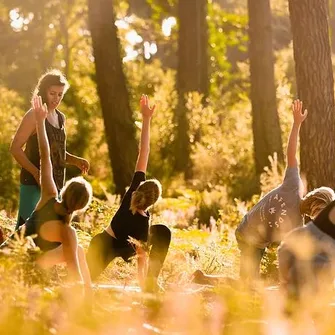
[132, 221]
[308, 242]
[51, 219]
[277, 212]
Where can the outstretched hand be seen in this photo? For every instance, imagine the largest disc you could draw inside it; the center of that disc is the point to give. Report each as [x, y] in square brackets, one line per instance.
[146, 109]
[40, 110]
[299, 115]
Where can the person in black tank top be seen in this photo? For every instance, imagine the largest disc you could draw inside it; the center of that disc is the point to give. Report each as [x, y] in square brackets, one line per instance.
[51, 219]
[51, 87]
[132, 221]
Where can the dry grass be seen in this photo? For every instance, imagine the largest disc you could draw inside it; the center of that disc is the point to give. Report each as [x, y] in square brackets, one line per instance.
[41, 303]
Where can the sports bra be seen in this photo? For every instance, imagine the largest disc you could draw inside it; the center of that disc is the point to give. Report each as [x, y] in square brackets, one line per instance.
[37, 219]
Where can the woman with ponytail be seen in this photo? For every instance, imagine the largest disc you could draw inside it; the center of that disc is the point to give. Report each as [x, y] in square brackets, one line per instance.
[131, 221]
[50, 222]
[296, 244]
[281, 210]
[278, 212]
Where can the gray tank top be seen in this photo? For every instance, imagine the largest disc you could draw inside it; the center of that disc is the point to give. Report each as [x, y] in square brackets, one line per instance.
[57, 143]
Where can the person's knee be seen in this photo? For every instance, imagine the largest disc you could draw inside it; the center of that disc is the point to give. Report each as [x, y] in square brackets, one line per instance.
[164, 231]
[160, 233]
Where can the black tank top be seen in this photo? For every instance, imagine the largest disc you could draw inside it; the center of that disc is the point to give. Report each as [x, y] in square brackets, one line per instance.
[323, 223]
[37, 219]
[57, 143]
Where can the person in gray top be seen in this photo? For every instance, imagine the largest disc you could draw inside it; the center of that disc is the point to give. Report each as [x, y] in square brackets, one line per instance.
[277, 213]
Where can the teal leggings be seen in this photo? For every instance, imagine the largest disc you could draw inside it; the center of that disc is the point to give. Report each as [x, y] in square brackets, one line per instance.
[29, 196]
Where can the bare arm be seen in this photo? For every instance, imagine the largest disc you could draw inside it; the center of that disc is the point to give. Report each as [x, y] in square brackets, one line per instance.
[79, 162]
[48, 187]
[292, 146]
[142, 265]
[70, 246]
[24, 131]
[298, 118]
[144, 147]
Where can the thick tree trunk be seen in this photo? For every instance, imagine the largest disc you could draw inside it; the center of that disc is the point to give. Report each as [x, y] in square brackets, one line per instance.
[192, 71]
[315, 85]
[265, 120]
[111, 84]
[332, 23]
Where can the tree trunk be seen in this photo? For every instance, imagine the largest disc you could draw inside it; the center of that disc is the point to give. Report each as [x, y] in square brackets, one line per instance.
[140, 8]
[265, 120]
[113, 93]
[315, 84]
[192, 71]
[332, 23]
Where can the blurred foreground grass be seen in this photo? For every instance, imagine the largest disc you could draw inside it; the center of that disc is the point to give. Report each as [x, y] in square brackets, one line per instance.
[35, 302]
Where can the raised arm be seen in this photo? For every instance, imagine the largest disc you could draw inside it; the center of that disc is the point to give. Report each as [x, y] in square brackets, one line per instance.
[25, 130]
[48, 187]
[298, 118]
[144, 146]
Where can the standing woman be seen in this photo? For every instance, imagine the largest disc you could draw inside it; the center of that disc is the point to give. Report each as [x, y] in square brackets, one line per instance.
[50, 221]
[51, 87]
[132, 220]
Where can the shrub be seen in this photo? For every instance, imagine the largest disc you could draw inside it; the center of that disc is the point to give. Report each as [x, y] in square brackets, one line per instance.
[10, 116]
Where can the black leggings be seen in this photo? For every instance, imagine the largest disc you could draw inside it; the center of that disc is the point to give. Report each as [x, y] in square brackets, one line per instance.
[103, 249]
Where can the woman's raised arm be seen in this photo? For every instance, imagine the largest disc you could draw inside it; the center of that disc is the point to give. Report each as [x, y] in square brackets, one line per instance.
[48, 187]
[144, 146]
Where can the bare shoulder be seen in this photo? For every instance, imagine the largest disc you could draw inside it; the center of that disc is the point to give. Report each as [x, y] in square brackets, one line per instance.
[44, 199]
[28, 121]
[29, 117]
[26, 128]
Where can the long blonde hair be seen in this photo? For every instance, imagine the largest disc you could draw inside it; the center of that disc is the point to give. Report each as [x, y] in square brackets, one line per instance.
[76, 194]
[145, 195]
[315, 201]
